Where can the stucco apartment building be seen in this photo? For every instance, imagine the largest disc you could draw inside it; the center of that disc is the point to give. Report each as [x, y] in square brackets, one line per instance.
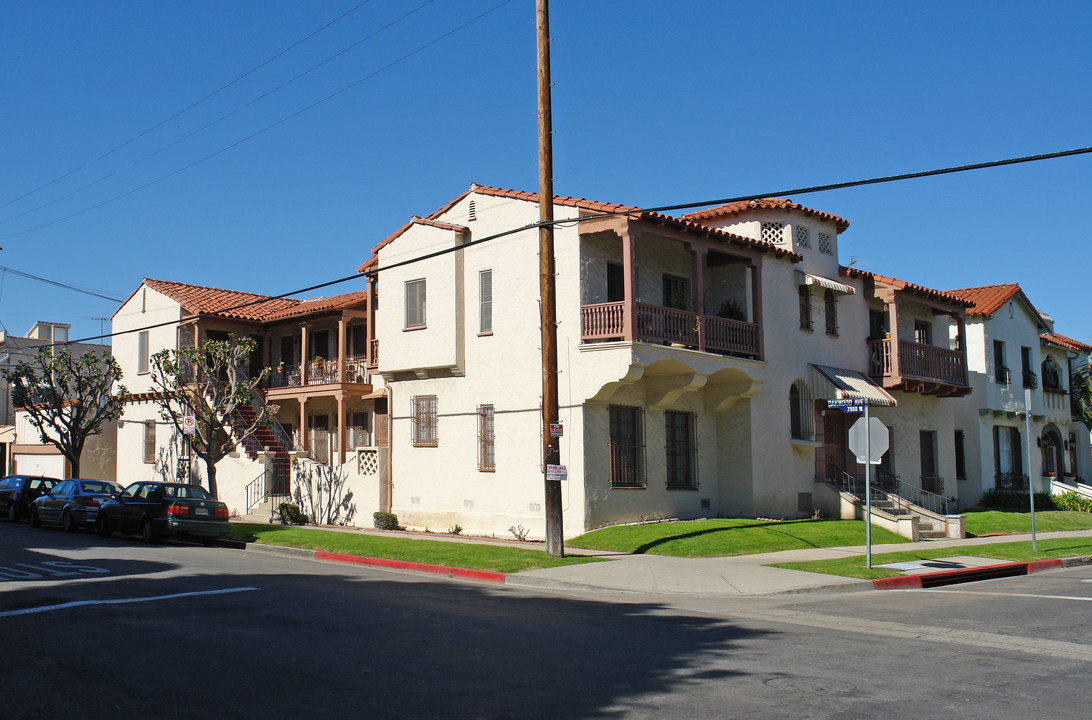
[696, 355]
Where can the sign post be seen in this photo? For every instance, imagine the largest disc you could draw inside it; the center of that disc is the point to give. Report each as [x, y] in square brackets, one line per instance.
[869, 440]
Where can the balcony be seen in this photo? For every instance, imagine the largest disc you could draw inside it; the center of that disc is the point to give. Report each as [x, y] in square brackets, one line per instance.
[918, 367]
[664, 325]
[319, 372]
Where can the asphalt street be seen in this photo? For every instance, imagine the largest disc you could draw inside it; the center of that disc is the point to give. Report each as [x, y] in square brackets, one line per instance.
[114, 628]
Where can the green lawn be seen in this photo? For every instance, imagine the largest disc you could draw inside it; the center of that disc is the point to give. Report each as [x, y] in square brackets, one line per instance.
[1004, 522]
[1016, 552]
[454, 554]
[725, 537]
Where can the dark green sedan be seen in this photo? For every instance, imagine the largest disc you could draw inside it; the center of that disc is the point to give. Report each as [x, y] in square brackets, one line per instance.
[158, 510]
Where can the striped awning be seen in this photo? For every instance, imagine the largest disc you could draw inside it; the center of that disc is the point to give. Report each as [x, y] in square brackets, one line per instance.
[803, 278]
[833, 383]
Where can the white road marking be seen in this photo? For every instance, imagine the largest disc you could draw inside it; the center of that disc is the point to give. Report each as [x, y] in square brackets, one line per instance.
[1010, 594]
[119, 601]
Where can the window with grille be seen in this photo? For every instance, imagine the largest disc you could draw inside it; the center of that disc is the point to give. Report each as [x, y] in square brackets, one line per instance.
[801, 414]
[805, 307]
[1031, 380]
[803, 239]
[424, 421]
[826, 243]
[485, 302]
[487, 439]
[681, 448]
[149, 441]
[1000, 369]
[415, 304]
[830, 300]
[625, 447]
[773, 232]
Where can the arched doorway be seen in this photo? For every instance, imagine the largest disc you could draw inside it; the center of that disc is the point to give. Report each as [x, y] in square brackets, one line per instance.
[1052, 449]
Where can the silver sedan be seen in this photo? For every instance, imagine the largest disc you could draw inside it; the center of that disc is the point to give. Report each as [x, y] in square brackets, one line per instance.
[72, 503]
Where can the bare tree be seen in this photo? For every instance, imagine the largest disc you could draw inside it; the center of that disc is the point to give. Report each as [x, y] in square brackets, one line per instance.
[68, 398]
[210, 383]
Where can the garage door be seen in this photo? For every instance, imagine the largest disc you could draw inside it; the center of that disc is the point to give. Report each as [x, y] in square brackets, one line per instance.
[48, 465]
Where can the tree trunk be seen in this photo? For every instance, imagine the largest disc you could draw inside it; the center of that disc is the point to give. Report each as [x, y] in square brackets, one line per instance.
[210, 471]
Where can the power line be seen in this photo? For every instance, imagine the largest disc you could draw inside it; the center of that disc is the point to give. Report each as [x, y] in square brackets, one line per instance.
[267, 128]
[223, 117]
[662, 208]
[184, 110]
[20, 273]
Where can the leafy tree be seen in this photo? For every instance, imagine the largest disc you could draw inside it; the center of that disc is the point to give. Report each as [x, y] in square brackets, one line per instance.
[1082, 395]
[210, 383]
[68, 398]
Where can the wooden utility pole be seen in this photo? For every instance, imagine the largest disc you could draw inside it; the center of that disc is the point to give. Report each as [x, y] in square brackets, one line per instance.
[551, 445]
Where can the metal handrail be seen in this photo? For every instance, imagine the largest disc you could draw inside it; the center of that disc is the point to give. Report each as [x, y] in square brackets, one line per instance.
[255, 491]
[890, 488]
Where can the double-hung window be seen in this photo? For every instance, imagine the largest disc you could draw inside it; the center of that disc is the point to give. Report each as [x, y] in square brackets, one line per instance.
[143, 353]
[485, 302]
[149, 441]
[415, 304]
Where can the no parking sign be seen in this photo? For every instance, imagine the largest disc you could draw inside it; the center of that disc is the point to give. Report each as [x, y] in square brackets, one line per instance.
[189, 424]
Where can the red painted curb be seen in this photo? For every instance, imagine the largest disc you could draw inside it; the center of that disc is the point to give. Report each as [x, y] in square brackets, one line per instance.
[1037, 565]
[484, 575]
[901, 582]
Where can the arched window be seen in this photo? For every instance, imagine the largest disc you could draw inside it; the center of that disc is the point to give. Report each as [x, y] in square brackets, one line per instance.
[801, 415]
[1052, 379]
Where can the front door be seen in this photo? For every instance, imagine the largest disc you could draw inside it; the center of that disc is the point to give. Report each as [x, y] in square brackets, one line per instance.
[835, 443]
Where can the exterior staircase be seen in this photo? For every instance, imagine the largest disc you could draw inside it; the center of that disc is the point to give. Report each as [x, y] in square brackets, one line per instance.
[265, 438]
[890, 497]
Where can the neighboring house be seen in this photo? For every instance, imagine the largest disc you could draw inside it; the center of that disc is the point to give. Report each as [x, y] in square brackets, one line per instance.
[1015, 354]
[695, 353]
[32, 456]
[321, 353]
[14, 350]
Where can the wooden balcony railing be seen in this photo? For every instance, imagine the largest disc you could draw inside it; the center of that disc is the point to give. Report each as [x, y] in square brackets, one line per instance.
[918, 361]
[659, 324]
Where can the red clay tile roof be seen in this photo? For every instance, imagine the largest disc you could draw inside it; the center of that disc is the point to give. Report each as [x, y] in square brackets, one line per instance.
[949, 297]
[584, 204]
[743, 206]
[1065, 342]
[457, 229]
[322, 304]
[259, 308]
[215, 301]
[986, 300]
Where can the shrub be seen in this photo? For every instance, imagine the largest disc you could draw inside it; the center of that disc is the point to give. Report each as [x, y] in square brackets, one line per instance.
[385, 521]
[1015, 500]
[1073, 501]
[456, 530]
[290, 514]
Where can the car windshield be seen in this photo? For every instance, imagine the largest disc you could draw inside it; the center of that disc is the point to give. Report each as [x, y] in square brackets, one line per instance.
[195, 492]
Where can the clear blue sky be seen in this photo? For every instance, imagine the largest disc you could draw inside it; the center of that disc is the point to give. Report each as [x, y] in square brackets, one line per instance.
[654, 103]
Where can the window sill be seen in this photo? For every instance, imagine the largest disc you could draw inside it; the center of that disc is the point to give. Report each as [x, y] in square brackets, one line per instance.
[802, 443]
[639, 487]
[415, 327]
[682, 488]
[487, 333]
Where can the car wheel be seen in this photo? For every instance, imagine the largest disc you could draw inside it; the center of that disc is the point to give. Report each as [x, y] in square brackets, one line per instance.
[102, 526]
[210, 541]
[66, 522]
[147, 533]
[35, 520]
[12, 514]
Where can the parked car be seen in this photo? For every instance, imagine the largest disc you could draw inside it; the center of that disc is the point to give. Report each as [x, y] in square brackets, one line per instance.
[17, 492]
[157, 510]
[72, 503]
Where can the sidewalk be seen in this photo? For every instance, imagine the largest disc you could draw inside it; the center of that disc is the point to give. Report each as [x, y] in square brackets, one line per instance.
[742, 575]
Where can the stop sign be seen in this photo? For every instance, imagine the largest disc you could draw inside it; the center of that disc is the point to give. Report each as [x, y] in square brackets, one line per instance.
[860, 435]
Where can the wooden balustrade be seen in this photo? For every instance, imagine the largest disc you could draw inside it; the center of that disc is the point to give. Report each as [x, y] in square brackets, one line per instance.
[659, 324]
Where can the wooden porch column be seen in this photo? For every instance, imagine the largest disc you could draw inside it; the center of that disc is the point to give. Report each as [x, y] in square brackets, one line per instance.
[342, 324]
[305, 440]
[303, 353]
[629, 286]
[697, 299]
[756, 305]
[893, 327]
[341, 428]
[371, 321]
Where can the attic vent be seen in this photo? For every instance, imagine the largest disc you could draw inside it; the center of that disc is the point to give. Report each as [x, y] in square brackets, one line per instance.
[773, 232]
[144, 300]
[471, 212]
